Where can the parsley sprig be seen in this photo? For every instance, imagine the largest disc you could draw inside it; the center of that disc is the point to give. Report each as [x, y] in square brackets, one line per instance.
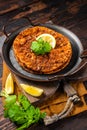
[40, 46]
[20, 111]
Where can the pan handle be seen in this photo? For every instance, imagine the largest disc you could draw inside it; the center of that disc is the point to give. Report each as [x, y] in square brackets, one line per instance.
[13, 25]
[82, 65]
[84, 54]
[57, 77]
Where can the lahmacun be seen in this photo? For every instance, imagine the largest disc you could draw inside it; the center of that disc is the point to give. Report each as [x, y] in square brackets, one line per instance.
[54, 61]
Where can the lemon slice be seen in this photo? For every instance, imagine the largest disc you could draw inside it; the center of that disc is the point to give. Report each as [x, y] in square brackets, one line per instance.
[34, 91]
[9, 85]
[49, 38]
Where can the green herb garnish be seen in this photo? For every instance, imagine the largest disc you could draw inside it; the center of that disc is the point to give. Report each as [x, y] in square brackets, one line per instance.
[20, 111]
[40, 47]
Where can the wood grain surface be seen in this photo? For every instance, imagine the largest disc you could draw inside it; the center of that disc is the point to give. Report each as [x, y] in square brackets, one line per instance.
[71, 14]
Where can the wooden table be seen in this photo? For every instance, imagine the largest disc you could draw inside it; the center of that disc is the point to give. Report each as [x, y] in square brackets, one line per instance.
[71, 14]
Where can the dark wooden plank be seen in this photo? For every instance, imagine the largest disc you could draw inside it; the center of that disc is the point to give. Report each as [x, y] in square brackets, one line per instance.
[59, 13]
[11, 5]
[71, 15]
[77, 122]
[81, 31]
[6, 6]
[21, 12]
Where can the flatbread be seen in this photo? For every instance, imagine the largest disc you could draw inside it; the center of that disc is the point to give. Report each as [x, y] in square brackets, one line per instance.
[54, 61]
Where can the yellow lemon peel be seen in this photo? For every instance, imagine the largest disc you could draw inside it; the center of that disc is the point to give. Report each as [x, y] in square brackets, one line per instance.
[9, 84]
[49, 38]
[34, 91]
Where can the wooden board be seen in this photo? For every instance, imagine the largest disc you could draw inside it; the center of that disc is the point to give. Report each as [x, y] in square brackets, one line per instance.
[49, 88]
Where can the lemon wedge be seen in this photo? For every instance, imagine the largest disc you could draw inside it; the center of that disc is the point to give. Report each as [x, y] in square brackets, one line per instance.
[9, 85]
[34, 91]
[49, 38]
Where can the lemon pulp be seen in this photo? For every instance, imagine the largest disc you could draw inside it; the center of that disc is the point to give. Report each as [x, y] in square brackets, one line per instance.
[34, 91]
[9, 85]
[49, 38]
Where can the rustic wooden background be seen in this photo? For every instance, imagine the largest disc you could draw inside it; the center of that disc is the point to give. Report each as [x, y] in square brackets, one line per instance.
[71, 14]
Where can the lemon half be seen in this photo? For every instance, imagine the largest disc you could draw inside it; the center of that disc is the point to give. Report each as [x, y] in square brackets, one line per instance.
[49, 38]
[9, 85]
[34, 91]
